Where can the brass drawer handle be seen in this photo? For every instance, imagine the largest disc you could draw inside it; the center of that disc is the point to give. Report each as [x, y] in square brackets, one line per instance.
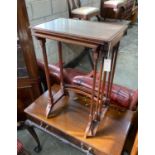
[88, 150]
[41, 124]
[46, 127]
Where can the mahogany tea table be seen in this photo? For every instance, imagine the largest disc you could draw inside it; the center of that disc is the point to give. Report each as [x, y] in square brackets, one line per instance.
[104, 39]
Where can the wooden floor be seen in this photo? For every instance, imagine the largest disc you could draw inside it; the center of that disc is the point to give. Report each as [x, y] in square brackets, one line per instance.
[73, 120]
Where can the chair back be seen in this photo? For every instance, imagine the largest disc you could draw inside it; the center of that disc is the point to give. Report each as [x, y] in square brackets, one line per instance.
[73, 4]
[102, 7]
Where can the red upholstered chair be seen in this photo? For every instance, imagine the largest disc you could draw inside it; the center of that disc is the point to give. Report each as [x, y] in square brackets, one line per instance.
[117, 9]
[120, 96]
[54, 70]
[20, 148]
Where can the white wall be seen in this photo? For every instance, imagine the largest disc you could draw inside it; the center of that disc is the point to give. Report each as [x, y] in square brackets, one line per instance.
[40, 11]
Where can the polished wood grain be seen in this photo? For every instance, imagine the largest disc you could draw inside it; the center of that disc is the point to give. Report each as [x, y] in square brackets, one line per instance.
[135, 146]
[72, 121]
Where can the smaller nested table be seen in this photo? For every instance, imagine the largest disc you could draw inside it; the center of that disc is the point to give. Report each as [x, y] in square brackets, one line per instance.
[104, 39]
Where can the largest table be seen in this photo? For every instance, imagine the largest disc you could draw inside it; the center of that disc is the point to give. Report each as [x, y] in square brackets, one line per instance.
[69, 125]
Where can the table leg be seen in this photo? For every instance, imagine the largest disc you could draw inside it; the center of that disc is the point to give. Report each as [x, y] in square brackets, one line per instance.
[99, 87]
[102, 95]
[61, 66]
[103, 98]
[109, 76]
[115, 52]
[50, 96]
[90, 126]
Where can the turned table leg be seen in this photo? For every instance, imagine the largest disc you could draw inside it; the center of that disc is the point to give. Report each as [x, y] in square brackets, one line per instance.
[97, 116]
[107, 69]
[50, 96]
[61, 66]
[113, 67]
[91, 123]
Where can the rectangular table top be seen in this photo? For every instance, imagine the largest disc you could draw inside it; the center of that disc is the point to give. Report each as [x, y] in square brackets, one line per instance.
[73, 120]
[88, 30]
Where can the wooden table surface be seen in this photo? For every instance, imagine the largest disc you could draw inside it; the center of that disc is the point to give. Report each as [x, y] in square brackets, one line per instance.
[95, 31]
[73, 120]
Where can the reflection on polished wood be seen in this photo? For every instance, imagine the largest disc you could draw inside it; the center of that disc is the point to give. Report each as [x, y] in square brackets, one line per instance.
[71, 121]
[135, 146]
[104, 39]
